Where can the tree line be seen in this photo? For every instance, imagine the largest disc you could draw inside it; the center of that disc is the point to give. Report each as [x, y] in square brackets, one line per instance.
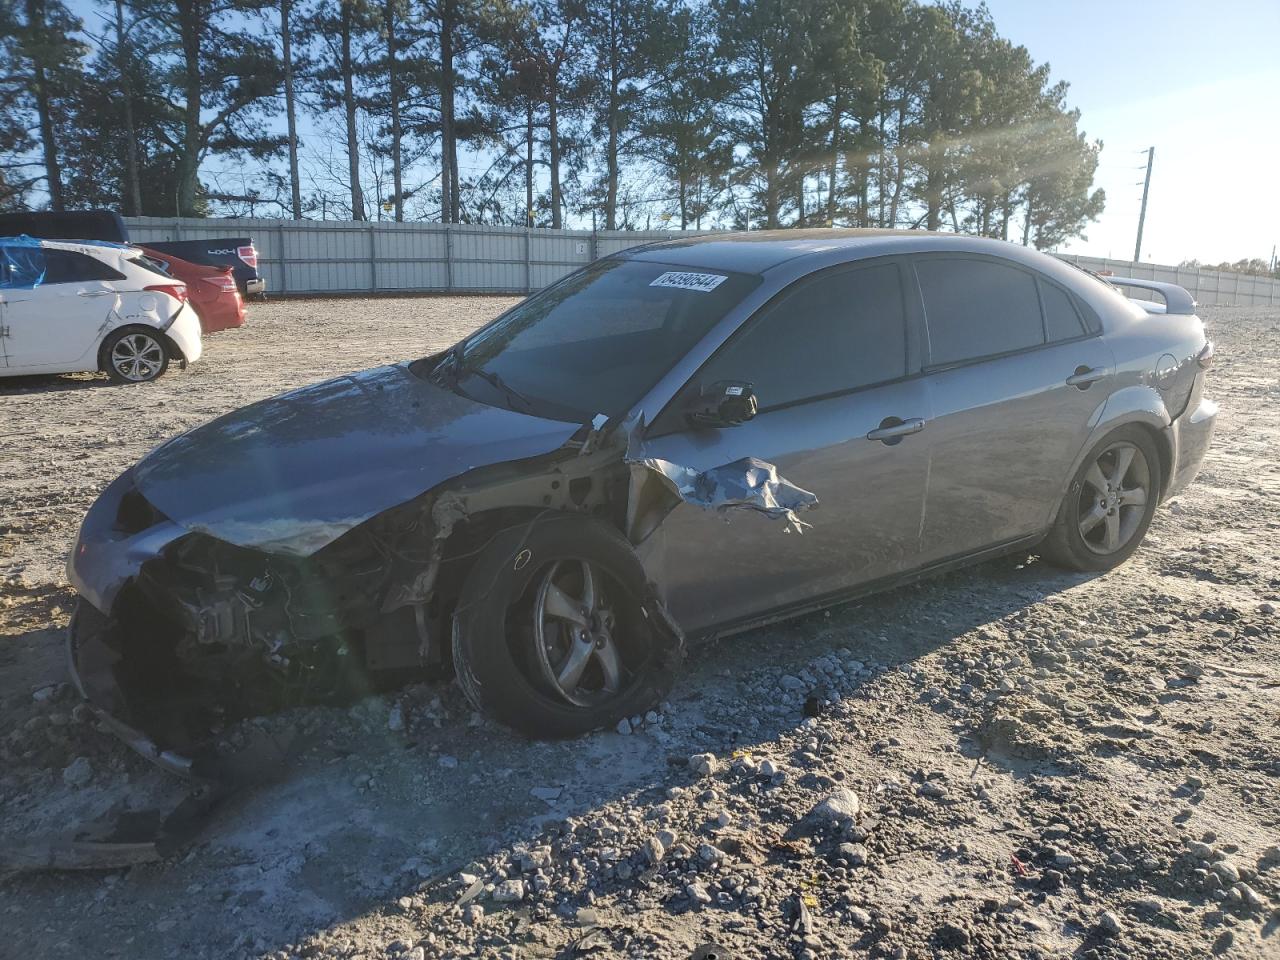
[627, 113]
[1252, 266]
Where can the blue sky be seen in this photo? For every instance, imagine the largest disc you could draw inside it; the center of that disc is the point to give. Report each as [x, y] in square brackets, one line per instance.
[1198, 81]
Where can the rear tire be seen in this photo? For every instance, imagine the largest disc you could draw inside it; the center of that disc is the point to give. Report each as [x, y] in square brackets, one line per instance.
[135, 355]
[556, 631]
[1108, 505]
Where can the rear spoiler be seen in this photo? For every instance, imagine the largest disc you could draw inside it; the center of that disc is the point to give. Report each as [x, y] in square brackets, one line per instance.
[1176, 299]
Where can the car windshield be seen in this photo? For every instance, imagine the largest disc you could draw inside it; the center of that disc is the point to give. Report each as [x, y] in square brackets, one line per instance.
[596, 341]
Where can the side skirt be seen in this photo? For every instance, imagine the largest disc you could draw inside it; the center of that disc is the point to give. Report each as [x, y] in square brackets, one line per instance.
[792, 611]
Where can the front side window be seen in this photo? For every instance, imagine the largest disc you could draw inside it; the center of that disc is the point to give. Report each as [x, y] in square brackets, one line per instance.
[829, 334]
[67, 266]
[977, 308]
[597, 341]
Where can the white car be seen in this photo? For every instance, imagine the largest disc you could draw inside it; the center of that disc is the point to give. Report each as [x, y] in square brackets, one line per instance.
[74, 305]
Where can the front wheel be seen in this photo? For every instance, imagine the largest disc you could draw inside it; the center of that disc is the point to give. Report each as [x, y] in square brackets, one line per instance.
[556, 631]
[135, 356]
[1108, 505]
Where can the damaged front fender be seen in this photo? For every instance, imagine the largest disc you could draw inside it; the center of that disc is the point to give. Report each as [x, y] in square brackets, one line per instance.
[747, 484]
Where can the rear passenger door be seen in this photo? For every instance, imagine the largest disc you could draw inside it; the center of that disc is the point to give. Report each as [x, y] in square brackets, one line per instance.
[1003, 344]
[831, 360]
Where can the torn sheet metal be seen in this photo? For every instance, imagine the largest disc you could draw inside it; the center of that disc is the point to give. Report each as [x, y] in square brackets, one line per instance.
[748, 484]
[22, 263]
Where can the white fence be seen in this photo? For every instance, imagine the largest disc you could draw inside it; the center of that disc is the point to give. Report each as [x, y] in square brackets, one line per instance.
[329, 256]
[317, 257]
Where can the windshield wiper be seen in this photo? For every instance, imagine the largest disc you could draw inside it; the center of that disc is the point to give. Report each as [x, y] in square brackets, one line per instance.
[511, 393]
[447, 370]
[451, 369]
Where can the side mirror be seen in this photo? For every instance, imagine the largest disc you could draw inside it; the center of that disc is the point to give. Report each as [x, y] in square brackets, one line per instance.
[725, 403]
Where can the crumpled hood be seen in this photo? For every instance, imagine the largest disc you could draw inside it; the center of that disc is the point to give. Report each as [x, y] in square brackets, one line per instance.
[293, 473]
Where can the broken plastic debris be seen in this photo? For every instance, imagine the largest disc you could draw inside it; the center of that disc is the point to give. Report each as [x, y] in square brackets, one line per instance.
[748, 483]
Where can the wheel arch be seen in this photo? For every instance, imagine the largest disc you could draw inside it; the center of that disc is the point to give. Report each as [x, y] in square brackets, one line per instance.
[1139, 406]
[174, 351]
[467, 539]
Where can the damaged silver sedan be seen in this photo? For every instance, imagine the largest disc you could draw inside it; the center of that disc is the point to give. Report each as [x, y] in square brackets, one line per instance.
[684, 439]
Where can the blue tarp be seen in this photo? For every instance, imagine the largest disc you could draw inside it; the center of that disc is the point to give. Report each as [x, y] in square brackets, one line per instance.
[22, 263]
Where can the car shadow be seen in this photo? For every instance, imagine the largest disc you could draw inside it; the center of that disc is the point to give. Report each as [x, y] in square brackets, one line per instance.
[53, 382]
[379, 809]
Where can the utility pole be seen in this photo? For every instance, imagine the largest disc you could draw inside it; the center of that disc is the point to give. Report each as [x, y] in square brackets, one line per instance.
[1142, 217]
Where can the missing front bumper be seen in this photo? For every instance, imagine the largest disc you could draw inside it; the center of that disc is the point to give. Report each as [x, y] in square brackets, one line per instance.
[91, 663]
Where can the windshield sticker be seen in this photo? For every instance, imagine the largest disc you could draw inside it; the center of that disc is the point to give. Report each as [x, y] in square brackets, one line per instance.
[704, 282]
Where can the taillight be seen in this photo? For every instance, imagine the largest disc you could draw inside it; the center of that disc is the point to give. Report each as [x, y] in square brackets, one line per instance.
[249, 255]
[176, 290]
[223, 284]
[1205, 356]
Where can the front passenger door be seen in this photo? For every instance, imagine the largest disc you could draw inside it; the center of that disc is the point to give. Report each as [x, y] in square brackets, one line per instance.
[830, 362]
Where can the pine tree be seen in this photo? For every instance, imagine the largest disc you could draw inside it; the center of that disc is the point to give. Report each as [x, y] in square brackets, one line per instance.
[219, 74]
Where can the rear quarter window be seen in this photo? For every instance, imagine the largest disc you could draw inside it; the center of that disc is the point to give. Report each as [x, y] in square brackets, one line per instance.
[1061, 318]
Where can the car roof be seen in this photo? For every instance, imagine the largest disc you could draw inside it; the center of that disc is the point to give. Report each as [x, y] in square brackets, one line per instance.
[758, 251]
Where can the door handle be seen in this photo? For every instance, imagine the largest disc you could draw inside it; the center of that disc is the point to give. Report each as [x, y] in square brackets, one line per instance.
[1085, 376]
[892, 429]
[96, 293]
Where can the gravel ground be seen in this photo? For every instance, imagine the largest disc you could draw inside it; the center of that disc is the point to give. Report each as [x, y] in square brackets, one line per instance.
[1004, 762]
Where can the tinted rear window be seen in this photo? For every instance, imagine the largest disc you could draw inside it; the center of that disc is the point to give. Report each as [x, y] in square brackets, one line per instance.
[977, 308]
[152, 264]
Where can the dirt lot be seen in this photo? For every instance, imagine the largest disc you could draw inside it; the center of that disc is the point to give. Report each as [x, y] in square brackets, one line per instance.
[1045, 764]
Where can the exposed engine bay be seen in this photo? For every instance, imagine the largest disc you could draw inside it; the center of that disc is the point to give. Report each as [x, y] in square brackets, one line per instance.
[202, 632]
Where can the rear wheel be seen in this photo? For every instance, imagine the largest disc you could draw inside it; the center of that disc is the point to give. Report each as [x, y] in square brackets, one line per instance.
[1109, 504]
[556, 632]
[135, 356]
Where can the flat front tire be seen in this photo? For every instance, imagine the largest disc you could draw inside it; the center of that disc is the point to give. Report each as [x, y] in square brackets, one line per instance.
[556, 631]
[1109, 503]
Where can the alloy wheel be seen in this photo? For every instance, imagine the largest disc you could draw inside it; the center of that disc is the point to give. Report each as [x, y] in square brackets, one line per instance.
[1113, 498]
[574, 634]
[137, 357]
